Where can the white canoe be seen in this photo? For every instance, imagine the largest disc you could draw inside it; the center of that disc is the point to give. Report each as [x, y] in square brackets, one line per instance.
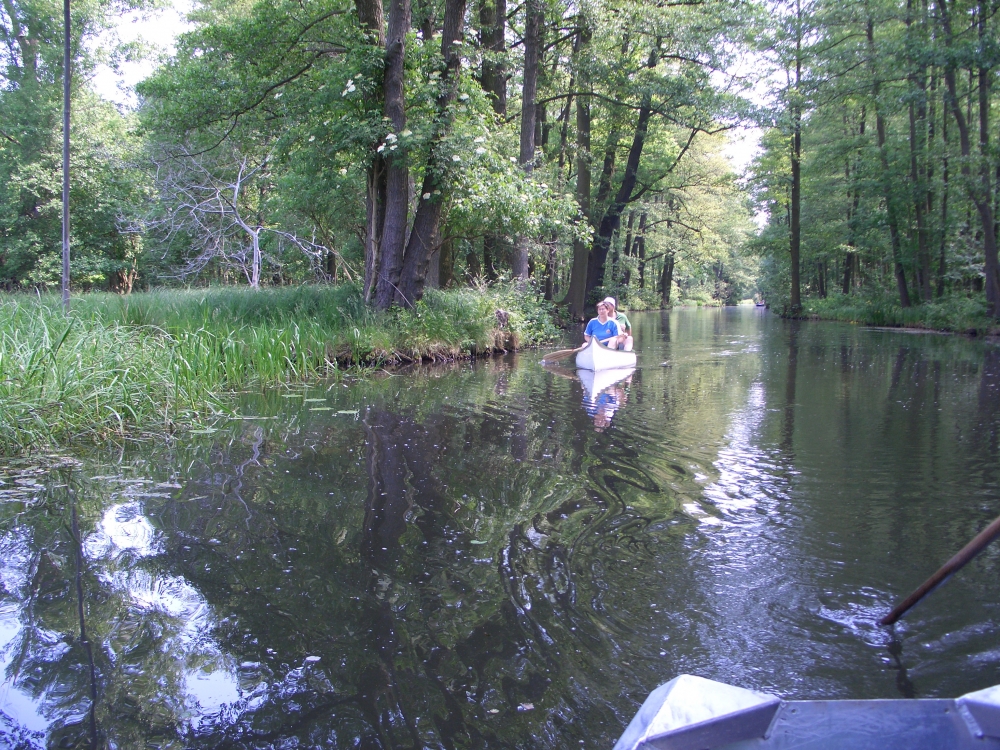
[596, 356]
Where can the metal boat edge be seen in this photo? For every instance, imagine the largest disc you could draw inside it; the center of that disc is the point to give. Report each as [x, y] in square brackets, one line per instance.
[693, 713]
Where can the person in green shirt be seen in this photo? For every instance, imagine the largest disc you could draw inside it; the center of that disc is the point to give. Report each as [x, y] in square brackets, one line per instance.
[625, 340]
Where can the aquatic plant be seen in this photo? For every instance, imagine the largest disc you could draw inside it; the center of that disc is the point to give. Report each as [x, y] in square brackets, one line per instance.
[169, 359]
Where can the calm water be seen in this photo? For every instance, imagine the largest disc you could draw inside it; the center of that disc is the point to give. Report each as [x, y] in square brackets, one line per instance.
[493, 554]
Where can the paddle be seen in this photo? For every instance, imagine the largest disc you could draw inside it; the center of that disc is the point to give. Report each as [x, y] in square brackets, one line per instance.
[562, 354]
[963, 556]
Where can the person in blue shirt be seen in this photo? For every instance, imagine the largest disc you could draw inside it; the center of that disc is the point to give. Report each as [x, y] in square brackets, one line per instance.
[604, 328]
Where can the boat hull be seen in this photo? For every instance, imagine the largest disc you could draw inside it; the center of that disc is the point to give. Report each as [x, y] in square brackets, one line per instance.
[595, 356]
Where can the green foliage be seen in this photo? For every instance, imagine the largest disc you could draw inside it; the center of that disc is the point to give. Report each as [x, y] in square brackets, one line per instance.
[957, 313]
[886, 192]
[165, 360]
[105, 184]
[292, 94]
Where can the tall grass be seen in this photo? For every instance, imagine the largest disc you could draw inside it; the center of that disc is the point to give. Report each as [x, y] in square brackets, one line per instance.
[168, 359]
[956, 313]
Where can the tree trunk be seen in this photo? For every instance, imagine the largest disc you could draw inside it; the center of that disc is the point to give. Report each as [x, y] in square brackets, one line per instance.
[255, 263]
[918, 125]
[374, 219]
[628, 233]
[529, 110]
[795, 207]
[887, 187]
[612, 216]
[397, 191]
[425, 234]
[493, 79]
[943, 240]
[472, 268]
[370, 16]
[851, 258]
[576, 294]
[979, 194]
[666, 280]
[639, 249]
[550, 272]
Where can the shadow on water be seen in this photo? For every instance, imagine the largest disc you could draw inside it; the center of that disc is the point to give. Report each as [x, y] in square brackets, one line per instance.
[499, 555]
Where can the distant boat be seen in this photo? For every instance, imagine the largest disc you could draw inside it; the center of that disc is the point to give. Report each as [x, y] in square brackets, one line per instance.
[760, 304]
[595, 356]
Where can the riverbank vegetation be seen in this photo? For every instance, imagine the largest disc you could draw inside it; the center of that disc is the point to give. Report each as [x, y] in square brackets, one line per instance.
[400, 148]
[878, 173]
[167, 360]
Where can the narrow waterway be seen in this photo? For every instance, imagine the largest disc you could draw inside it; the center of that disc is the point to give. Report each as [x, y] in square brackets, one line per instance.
[498, 554]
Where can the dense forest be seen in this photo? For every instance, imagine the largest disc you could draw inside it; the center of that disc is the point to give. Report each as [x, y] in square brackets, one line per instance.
[575, 146]
[397, 147]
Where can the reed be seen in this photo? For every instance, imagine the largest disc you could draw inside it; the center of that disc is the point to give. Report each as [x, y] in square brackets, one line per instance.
[170, 359]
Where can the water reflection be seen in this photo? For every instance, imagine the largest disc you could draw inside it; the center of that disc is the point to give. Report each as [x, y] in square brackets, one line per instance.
[457, 557]
[604, 393]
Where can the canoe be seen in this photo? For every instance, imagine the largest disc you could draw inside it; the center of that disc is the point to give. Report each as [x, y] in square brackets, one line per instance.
[595, 356]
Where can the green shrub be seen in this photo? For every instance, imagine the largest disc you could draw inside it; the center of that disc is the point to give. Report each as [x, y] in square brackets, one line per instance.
[954, 313]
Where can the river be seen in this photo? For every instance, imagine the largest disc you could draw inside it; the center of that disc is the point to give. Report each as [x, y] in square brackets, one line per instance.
[489, 554]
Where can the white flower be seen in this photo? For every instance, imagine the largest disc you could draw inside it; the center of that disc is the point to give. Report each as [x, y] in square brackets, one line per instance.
[343, 170]
[407, 133]
[480, 139]
[278, 95]
[456, 157]
[390, 137]
[312, 138]
[427, 196]
[351, 88]
[463, 98]
[480, 150]
[513, 159]
[381, 148]
[392, 148]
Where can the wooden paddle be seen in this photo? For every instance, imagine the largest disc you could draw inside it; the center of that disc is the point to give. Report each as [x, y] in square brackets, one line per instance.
[963, 556]
[561, 354]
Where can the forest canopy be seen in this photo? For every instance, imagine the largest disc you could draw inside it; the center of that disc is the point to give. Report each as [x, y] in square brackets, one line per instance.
[576, 147]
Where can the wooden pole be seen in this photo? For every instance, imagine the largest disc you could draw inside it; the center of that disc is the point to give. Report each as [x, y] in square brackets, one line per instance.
[969, 551]
[65, 192]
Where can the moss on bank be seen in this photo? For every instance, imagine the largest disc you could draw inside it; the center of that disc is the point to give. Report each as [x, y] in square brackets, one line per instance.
[956, 314]
[165, 360]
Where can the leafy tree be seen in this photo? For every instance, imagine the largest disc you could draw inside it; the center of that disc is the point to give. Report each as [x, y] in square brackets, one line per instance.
[105, 183]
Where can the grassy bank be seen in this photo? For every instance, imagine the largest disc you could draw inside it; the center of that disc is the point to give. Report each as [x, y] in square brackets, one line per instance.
[166, 360]
[957, 314]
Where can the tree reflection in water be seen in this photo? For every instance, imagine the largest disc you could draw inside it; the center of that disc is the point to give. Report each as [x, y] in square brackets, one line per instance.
[459, 559]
